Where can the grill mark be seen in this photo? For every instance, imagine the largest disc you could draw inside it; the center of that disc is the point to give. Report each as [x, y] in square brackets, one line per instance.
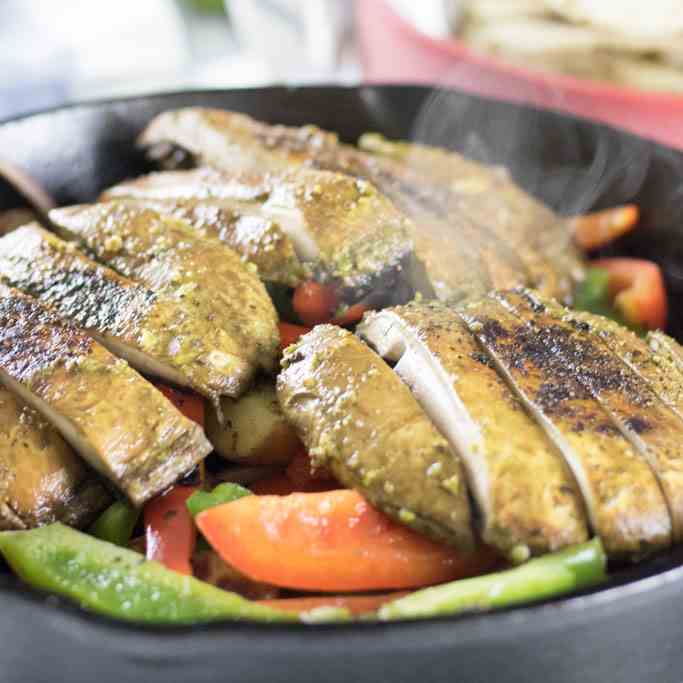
[92, 296]
[33, 339]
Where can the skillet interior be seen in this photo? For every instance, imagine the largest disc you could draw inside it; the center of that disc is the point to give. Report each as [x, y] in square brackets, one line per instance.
[77, 151]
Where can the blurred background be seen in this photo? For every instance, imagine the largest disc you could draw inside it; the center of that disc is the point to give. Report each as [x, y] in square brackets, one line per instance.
[617, 60]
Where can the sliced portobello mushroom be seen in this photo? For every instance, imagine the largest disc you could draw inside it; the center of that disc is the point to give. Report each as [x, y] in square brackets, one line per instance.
[129, 319]
[117, 421]
[527, 497]
[334, 227]
[634, 408]
[653, 364]
[489, 197]
[253, 429]
[229, 140]
[359, 420]
[227, 321]
[623, 499]
[42, 480]
[234, 142]
[194, 196]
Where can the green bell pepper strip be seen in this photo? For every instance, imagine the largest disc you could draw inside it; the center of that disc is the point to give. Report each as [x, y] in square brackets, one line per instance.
[119, 582]
[592, 295]
[567, 570]
[223, 493]
[116, 523]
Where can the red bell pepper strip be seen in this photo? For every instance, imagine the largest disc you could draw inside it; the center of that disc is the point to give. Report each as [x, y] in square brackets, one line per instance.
[598, 229]
[289, 333]
[314, 302]
[332, 541]
[638, 291]
[170, 532]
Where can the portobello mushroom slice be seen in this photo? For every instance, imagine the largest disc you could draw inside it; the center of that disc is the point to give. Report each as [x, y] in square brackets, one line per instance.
[229, 140]
[527, 497]
[358, 419]
[42, 480]
[194, 197]
[489, 197]
[653, 364]
[234, 142]
[337, 228]
[228, 321]
[133, 322]
[634, 408]
[253, 430]
[117, 421]
[623, 499]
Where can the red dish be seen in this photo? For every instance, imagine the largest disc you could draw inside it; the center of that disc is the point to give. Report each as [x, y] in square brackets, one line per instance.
[394, 51]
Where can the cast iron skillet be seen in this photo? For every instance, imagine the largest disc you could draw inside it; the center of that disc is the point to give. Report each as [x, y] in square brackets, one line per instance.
[631, 630]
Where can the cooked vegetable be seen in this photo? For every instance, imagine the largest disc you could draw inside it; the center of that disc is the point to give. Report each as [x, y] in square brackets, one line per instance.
[360, 421]
[42, 480]
[145, 328]
[249, 145]
[598, 229]
[333, 541]
[355, 604]
[572, 569]
[228, 323]
[289, 333]
[253, 430]
[630, 404]
[170, 533]
[637, 289]
[119, 583]
[190, 405]
[623, 499]
[223, 493]
[592, 294]
[653, 363]
[314, 302]
[337, 228]
[195, 198]
[116, 420]
[115, 525]
[473, 194]
[350, 316]
[526, 496]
